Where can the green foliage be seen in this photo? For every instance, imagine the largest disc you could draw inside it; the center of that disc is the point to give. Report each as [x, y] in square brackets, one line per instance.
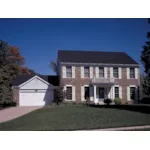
[107, 101]
[145, 59]
[58, 95]
[117, 101]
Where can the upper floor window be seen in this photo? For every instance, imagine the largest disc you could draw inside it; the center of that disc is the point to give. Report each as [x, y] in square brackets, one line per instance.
[115, 72]
[132, 93]
[101, 72]
[69, 71]
[86, 72]
[132, 73]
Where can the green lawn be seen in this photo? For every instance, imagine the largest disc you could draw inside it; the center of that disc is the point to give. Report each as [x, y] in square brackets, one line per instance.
[75, 118]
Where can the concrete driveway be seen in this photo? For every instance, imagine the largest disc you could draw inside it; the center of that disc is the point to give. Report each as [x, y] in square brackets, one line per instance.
[15, 112]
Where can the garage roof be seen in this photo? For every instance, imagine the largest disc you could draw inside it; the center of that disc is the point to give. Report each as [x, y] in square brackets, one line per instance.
[54, 80]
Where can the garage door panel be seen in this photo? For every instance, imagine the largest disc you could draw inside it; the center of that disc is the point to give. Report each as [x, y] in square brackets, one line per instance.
[31, 98]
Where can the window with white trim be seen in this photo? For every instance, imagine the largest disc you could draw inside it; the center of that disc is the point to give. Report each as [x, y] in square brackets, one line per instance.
[132, 72]
[115, 72]
[101, 72]
[86, 92]
[116, 92]
[68, 71]
[86, 72]
[132, 93]
[69, 93]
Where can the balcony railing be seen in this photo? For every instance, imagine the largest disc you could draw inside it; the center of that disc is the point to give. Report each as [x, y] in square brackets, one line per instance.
[103, 80]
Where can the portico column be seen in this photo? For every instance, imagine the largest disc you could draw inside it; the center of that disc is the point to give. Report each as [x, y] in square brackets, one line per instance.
[94, 93]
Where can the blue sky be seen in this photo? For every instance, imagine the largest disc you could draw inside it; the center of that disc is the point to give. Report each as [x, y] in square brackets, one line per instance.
[39, 39]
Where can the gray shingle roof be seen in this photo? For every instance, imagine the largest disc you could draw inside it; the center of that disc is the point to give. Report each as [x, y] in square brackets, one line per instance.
[95, 57]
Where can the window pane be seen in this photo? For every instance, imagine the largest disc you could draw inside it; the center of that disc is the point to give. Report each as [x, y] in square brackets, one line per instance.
[101, 71]
[132, 73]
[132, 93]
[115, 72]
[86, 71]
[69, 93]
[116, 92]
[86, 92]
[68, 71]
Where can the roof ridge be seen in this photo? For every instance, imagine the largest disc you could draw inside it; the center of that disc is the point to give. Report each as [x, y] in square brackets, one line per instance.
[91, 51]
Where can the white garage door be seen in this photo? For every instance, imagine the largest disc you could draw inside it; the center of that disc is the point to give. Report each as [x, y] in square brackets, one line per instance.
[35, 97]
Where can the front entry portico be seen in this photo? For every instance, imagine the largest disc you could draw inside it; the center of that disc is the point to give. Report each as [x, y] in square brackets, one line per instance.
[101, 91]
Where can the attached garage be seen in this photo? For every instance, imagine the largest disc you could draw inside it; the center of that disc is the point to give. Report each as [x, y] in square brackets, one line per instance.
[35, 90]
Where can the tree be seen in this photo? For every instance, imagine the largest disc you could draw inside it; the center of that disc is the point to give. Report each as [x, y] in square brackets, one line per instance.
[58, 95]
[53, 66]
[11, 64]
[145, 59]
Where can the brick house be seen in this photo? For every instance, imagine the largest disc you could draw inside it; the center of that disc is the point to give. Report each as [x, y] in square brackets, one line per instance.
[98, 75]
[84, 75]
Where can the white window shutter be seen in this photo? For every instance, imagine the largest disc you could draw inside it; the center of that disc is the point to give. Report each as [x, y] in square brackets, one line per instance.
[73, 93]
[64, 71]
[91, 72]
[136, 73]
[128, 73]
[64, 90]
[73, 71]
[120, 72]
[136, 93]
[91, 93]
[82, 93]
[105, 72]
[111, 72]
[113, 92]
[120, 92]
[128, 93]
[97, 72]
[82, 71]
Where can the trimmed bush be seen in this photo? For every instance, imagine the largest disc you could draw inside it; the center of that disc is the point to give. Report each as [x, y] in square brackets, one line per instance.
[107, 101]
[117, 101]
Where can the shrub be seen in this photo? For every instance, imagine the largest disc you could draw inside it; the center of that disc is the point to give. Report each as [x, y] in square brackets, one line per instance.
[117, 101]
[58, 95]
[107, 101]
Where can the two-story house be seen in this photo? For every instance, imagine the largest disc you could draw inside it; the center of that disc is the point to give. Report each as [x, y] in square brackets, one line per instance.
[98, 75]
[95, 75]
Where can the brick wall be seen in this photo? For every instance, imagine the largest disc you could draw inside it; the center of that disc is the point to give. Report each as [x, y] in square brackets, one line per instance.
[78, 82]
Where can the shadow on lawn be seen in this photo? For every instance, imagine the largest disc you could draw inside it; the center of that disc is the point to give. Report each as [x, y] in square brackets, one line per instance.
[134, 107]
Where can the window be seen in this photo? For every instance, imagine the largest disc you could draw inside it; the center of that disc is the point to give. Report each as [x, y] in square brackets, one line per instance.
[132, 73]
[116, 92]
[132, 93]
[115, 72]
[86, 92]
[86, 72]
[69, 71]
[69, 93]
[101, 72]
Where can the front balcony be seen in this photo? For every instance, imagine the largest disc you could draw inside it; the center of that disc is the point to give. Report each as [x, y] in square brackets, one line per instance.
[103, 80]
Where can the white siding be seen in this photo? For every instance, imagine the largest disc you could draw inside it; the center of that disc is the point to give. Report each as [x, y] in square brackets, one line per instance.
[120, 72]
[36, 83]
[91, 72]
[73, 71]
[82, 71]
[105, 72]
[64, 71]
[128, 73]
[111, 72]
[97, 72]
[136, 73]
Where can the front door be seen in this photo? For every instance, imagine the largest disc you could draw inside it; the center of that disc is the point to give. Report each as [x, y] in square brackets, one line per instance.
[101, 93]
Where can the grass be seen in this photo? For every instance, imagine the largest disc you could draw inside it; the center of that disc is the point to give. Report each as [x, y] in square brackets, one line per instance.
[75, 118]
